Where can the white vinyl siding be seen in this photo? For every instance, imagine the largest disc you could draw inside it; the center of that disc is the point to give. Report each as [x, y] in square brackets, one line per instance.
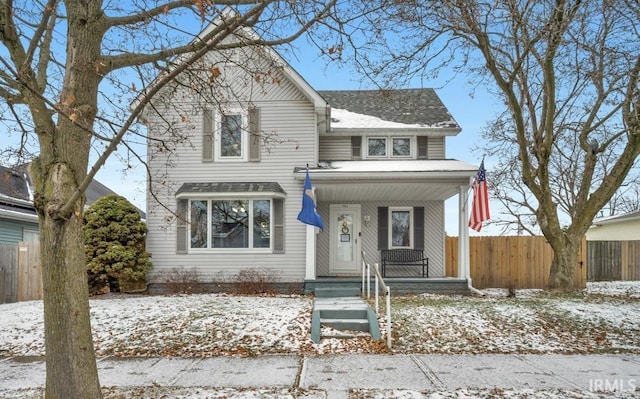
[434, 234]
[340, 148]
[619, 231]
[436, 148]
[335, 148]
[293, 123]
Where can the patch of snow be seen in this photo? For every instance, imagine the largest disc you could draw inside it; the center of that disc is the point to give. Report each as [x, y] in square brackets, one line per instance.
[343, 119]
[603, 318]
[445, 165]
[617, 288]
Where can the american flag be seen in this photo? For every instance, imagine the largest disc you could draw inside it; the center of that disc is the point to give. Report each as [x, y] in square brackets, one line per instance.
[480, 204]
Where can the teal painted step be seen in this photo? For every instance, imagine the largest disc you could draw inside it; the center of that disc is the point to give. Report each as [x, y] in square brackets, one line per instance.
[346, 324]
[343, 313]
[336, 292]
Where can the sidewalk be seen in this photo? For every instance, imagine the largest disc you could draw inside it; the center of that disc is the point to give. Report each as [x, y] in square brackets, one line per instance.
[336, 374]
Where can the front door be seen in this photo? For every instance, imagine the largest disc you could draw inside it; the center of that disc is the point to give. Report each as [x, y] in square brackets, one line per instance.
[345, 239]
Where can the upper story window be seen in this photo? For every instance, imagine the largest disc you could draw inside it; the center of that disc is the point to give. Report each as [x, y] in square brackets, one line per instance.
[377, 147]
[231, 134]
[389, 147]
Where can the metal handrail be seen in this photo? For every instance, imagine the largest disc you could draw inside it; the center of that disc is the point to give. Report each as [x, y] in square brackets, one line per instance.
[379, 281]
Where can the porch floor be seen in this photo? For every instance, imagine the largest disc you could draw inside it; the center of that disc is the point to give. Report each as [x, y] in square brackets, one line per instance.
[438, 285]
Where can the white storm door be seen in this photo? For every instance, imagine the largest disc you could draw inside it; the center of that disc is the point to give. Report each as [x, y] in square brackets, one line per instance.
[345, 239]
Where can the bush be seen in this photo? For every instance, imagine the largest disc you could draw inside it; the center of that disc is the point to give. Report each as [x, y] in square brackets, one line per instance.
[182, 280]
[255, 281]
[114, 244]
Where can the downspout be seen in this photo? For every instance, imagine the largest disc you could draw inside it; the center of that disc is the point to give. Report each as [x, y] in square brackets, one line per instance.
[474, 289]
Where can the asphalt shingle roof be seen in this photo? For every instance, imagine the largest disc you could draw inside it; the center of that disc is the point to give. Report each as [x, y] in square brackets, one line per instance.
[15, 183]
[409, 106]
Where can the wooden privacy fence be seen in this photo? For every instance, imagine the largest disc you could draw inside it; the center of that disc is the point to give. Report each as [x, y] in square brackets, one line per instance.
[510, 261]
[20, 273]
[613, 260]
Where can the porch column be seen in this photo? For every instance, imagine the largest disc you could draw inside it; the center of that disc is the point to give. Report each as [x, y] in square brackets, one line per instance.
[310, 260]
[463, 234]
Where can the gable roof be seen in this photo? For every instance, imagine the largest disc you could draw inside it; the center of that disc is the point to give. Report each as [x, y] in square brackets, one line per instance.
[408, 108]
[15, 183]
[245, 32]
[16, 193]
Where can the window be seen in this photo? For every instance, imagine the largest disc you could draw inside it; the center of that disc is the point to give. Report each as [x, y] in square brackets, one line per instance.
[400, 147]
[401, 227]
[377, 147]
[400, 233]
[237, 223]
[198, 220]
[231, 128]
[231, 136]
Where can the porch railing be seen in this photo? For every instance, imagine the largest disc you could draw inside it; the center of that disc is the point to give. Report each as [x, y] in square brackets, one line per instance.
[379, 283]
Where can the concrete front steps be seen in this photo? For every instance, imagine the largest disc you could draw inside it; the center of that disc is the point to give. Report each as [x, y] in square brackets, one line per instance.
[342, 309]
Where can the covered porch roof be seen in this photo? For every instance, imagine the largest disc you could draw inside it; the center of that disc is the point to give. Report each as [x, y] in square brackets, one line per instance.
[407, 180]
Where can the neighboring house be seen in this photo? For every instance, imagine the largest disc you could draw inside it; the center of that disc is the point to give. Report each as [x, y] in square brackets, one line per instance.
[377, 161]
[18, 219]
[625, 227]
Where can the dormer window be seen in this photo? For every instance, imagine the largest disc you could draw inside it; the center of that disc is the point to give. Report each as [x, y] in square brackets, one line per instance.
[389, 147]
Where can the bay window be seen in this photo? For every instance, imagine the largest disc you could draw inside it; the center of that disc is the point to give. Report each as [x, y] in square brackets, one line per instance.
[235, 223]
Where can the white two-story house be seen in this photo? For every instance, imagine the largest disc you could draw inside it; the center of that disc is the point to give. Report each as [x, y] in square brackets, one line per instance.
[225, 196]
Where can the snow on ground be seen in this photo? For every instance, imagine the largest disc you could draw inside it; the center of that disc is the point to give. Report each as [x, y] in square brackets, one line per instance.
[603, 318]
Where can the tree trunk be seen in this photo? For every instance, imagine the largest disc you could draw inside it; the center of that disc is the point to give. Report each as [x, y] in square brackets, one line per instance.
[565, 259]
[71, 369]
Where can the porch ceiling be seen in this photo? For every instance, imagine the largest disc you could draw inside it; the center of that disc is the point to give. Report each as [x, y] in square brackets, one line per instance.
[426, 180]
[384, 191]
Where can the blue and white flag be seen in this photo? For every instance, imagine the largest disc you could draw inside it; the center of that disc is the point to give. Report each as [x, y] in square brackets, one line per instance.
[309, 213]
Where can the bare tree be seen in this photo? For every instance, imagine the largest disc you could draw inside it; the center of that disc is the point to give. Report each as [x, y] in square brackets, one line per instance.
[517, 210]
[70, 72]
[567, 72]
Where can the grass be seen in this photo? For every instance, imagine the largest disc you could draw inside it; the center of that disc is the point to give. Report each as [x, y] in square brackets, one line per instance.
[550, 323]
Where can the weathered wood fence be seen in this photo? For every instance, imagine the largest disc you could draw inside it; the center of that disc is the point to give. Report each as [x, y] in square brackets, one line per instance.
[510, 261]
[614, 260]
[496, 262]
[20, 273]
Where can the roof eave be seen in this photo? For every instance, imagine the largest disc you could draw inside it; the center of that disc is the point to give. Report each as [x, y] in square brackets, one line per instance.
[432, 131]
[462, 175]
[614, 221]
[14, 215]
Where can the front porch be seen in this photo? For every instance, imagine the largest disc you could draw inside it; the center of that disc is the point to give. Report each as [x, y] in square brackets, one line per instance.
[399, 286]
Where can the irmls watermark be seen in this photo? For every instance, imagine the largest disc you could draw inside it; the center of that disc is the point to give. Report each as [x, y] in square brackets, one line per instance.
[613, 384]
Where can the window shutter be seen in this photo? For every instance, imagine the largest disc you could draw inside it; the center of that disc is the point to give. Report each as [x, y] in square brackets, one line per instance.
[181, 233]
[278, 226]
[254, 134]
[383, 227]
[356, 147]
[418, 227]
[207, 135]
[423, 145]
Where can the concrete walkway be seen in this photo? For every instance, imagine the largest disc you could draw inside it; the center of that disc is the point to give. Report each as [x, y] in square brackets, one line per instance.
[336, 374]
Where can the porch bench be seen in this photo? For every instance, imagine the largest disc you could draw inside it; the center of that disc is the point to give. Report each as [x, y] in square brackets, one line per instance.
[404, 257]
